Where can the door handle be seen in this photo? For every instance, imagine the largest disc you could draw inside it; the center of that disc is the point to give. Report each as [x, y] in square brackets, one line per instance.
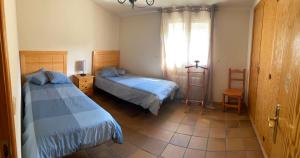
[273, 122]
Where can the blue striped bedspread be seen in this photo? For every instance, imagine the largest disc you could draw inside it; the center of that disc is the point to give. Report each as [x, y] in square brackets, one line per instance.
[59, 119]
[144, 91]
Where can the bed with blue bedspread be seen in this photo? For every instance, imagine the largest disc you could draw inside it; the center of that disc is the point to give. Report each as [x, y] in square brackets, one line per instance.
[59, 120]
[144, 91]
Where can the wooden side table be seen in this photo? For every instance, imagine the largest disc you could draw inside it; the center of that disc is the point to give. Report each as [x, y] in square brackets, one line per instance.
[84, 83]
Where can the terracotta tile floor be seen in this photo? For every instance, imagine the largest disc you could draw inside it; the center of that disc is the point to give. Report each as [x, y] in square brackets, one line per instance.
[176, 133]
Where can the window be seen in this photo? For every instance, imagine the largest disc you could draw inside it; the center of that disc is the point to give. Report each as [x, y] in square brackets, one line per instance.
[199, 43]
[185, 38]
[185, 43]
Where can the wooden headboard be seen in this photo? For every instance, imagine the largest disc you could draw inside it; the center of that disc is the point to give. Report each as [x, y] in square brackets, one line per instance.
[103, 59]
[32, 61]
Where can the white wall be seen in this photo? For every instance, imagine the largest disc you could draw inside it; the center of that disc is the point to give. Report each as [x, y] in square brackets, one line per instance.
[14, 64]
[231, 35]
[140, 44]
[78, 26]
[141, 53]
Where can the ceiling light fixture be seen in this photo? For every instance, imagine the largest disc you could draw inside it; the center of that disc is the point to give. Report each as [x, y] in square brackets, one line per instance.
[149, 2]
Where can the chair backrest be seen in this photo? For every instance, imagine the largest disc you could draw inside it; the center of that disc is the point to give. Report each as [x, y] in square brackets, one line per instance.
[237, 75]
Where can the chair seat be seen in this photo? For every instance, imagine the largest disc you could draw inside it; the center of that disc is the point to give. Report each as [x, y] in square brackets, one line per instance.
[233, 92]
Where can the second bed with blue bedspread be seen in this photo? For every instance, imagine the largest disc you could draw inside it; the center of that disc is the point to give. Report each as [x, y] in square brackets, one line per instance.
[146, 92]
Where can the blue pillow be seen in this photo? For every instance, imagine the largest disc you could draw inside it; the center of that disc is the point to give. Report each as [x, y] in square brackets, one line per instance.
[57, 77]
[121, 72]
[109, 72]
[39, 78]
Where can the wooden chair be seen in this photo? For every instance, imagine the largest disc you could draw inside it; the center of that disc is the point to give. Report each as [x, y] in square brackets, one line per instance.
[234, 93]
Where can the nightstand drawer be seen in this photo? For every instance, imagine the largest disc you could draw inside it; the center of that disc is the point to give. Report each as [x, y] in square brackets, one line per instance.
[85, 86]
[84, 83]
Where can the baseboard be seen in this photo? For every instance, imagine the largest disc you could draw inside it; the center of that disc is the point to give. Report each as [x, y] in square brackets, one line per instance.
[258, 138]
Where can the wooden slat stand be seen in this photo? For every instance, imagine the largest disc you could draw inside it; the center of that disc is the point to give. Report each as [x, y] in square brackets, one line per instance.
[200, 71]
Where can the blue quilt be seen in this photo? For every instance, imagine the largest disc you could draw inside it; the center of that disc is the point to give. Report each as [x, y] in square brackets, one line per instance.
[59, 120]
[146, 92]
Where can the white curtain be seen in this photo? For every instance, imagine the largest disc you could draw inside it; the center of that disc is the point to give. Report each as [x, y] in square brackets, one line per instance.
[185, 37]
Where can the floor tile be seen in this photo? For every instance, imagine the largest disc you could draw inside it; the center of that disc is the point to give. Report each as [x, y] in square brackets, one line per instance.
[157, 133]
[109, 143]
[236, 154]
[194, 153]
[247, 132]
[201, 131]
[190, 120]
[126, 133]
[198, 143]
[175, 118]
[216, 144]
[79, 154]
[232, 124]
[245, 124]
[137, 138]
[217, 133]
[218, 115]
[233, 132]
[185, 129]
[154, 146]
[240, 133]
[168, 125]
[123, 150]
[251, 144]
[233, 144]
[244, 117]
[232, 116]
[254, 154]
[173, 151]
[101, 151]
[141, 154]
[180, 140]
[217, 124]
[211, 154]
[203, 123]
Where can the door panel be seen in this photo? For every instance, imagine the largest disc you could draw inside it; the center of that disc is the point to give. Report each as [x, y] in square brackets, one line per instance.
[279, 79]
[264, 86]
[287, 42]
[7, 131]
[257, 32]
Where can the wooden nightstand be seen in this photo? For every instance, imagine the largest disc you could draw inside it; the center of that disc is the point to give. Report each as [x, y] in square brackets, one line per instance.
[84, 83]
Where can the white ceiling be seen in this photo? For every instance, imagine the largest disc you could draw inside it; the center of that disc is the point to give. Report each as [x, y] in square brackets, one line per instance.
[125, 9]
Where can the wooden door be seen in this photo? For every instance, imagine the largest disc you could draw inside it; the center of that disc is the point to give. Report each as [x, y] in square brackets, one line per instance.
[265, 87]
[7, 131]
[287, 45]
[255, 55]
